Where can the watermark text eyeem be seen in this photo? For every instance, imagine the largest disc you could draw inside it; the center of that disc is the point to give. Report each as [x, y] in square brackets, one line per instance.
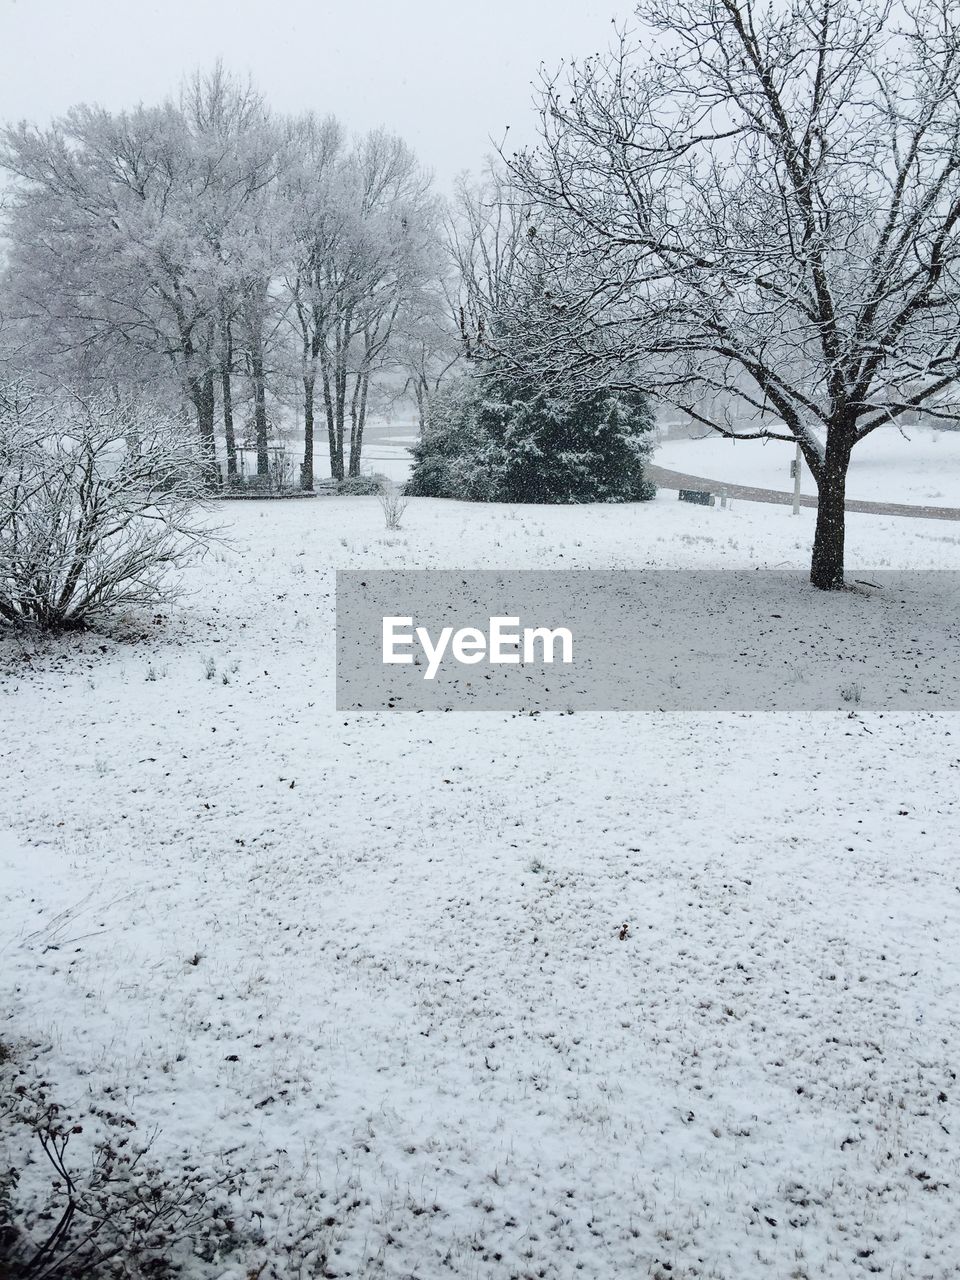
[531, 641]
[502, 643]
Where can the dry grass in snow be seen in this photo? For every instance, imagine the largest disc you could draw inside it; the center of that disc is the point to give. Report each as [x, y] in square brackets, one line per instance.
[489, 995]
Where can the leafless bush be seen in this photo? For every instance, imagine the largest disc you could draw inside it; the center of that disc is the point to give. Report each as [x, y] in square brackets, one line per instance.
[98, 501]
[118, 1214]
[393, 503]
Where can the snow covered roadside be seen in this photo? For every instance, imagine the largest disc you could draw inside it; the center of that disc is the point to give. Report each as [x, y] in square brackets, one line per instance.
[494, 996]
[917, 466]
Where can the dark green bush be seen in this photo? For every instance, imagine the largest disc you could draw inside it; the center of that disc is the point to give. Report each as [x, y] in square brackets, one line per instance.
[490, 438]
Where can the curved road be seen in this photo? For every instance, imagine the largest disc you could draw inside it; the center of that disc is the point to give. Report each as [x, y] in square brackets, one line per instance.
[667, 479]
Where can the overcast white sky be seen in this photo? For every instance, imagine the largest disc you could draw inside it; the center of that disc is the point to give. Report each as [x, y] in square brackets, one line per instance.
[444, 74]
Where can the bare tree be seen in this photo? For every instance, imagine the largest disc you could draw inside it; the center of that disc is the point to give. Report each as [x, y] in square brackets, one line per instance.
[765, 209]
[426, 347]
[200, 234]
[387, 261]
[485, 233]
[108, 244]
[134, 238]
[317, 215]
[364, 241]
[239, 155]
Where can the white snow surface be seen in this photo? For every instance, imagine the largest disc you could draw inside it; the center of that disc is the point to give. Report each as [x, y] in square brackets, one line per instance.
[487, 995]
[917, 465]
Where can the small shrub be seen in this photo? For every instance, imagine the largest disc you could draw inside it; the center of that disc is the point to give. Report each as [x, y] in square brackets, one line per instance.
[393, 504]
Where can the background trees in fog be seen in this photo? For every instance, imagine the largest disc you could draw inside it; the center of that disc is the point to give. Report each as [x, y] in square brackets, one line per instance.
[751, 213]
[207, 248]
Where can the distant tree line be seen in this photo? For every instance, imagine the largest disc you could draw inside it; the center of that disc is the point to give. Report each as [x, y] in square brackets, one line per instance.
[213, 255]
[218, 255]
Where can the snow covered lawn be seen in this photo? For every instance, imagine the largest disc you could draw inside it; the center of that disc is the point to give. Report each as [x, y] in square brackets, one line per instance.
[917, 466]
[487, 995]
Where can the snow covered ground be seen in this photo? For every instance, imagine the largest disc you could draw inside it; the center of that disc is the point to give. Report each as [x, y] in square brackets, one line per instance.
[488, 995]
[386, 449]
[917, 466]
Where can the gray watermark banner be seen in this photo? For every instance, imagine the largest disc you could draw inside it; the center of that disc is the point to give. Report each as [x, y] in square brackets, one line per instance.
[645, 640]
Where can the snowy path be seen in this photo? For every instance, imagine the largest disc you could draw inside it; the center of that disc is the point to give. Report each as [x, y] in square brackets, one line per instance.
[668, 479]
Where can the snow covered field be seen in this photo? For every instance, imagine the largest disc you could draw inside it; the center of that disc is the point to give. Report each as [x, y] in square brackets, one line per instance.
[917, 466]
[487, 995]
[386, 449]
[389, 450]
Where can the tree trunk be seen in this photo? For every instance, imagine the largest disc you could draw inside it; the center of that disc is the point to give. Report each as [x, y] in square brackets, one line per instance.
[336, 458]
[340, 407]
[420, 391]
[260, 413]
[306, 469]
[358, 414]
[198, 381]
[204, 402]
[227, 397]
[343, 331]
[826, 569]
